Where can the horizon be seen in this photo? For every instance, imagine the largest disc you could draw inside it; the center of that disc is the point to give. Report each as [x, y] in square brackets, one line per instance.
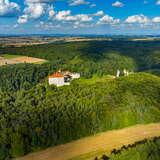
[78, 35]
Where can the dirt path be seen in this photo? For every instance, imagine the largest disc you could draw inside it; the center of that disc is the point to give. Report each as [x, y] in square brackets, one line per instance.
[104, 141]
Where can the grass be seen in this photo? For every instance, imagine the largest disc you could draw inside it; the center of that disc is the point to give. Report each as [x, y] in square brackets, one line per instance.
[91, 155]
[95, 79]
[41, 62]
[10, 56]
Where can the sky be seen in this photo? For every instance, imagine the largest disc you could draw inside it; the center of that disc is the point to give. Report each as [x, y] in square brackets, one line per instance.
[80, 17]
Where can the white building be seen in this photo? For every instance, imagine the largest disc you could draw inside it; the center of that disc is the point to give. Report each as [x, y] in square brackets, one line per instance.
[57, 79]
[62, 78]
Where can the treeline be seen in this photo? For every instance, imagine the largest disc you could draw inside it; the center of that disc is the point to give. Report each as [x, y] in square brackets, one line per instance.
[96, 55]
[46, 115]
[24, 76]
[141, 150]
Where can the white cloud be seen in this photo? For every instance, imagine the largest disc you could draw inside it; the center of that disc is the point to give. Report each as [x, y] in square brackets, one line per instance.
[99, 13]
[158, 2]
[22, 19]
[35, 9]
[108, 20]
[51, 12]
[47, 26]
[83, 18]
[8, 8]
[137, 19]
[75, 21]
[78, 2]
[66, 16]
[117, 4]
[156, 20]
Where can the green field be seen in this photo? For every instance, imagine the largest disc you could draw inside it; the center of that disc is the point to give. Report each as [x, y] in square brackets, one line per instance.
[10, 56]
[95, 79]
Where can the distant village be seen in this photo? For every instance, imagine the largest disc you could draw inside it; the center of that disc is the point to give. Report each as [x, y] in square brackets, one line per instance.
[62, 78]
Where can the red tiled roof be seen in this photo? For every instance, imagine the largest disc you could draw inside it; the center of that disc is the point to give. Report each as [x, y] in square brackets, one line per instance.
[56, 75]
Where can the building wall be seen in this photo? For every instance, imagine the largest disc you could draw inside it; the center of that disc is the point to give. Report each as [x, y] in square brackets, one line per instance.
[58, 81]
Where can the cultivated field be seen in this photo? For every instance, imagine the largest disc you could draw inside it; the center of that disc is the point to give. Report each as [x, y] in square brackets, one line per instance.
[29, 41]
[15, 59]
[87, 148]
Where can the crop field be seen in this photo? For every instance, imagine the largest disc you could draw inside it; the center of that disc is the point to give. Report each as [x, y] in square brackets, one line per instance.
[87, 148]
[15, 59]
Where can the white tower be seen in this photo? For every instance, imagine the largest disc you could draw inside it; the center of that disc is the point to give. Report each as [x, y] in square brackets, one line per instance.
[118, 73]
[125, 72]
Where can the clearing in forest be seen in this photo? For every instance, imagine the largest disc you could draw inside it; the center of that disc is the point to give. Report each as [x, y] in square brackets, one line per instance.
[15, 59]
[87, 148]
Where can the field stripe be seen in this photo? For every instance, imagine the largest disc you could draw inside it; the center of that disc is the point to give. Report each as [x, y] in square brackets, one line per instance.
[104, 141]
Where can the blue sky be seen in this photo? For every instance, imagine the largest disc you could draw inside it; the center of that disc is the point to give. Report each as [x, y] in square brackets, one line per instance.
[80, 16]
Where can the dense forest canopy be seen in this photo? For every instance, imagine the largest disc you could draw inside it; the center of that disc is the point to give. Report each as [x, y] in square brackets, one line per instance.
[144, 54]
[34, 115]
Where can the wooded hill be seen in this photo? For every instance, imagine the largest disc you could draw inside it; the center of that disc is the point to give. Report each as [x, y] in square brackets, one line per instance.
[46, 116]
[34, 115]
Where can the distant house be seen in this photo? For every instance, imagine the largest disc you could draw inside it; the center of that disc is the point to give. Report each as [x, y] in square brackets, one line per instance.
[62, 78]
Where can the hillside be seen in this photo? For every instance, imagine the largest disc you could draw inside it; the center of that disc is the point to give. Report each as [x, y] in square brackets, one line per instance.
[104, 143]
[47, 116]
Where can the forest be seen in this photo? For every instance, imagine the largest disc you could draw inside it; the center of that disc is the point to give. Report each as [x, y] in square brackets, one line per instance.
[87, 58]
[34, 115]
[46, 115]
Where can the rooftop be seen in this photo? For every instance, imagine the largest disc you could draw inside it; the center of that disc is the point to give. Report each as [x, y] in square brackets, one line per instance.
[56, 75]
